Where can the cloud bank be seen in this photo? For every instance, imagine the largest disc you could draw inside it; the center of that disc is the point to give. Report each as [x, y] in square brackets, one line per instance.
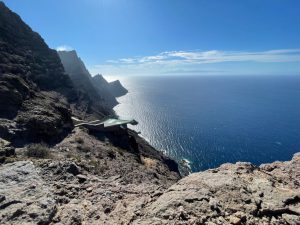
[199, 62]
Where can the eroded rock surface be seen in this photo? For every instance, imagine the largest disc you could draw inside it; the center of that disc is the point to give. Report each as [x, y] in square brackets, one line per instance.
[25, 198]
[238, 193]
[119, 188]
[88, 180]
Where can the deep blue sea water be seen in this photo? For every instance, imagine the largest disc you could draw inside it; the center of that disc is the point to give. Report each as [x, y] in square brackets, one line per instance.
[210, 120]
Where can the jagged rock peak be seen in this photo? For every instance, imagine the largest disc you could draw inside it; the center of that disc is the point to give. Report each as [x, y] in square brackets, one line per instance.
[97, 99]
[100, 78]
[117, 88]
[73, 63]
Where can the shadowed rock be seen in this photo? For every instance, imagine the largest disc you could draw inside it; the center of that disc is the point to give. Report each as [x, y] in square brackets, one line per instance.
[34, 89]
[117, 89]
[96, 98]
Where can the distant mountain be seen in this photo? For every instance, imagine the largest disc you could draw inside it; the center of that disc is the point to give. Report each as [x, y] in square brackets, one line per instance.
[102, 86]
[117, 88]
[98, 89]
[95, 100]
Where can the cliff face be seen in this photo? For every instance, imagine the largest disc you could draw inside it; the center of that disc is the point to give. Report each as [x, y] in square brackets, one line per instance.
[94, 99]
[24, 53]
[117, 89]
[33, 86]
[102, 86]
[97, 88]
[114, 88]
[37, 97]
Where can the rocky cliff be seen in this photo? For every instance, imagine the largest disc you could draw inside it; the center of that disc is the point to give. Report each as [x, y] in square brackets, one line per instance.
[238, 193]
[85, 177]
[37, 97]
[103, 86]
[117, 89]
[93, 100]
[100, 93]
[34, 90]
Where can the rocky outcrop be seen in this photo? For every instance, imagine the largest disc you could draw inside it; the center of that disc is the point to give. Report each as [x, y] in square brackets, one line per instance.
[238, 193]
[87, 181]
[113, 89]
[117, 89]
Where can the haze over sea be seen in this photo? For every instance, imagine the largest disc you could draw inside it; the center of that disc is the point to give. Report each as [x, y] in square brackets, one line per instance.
[210, 120]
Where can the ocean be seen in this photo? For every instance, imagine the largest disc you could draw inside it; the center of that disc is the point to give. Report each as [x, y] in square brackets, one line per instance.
[211, 120]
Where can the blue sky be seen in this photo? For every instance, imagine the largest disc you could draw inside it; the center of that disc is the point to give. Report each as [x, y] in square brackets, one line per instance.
[163, 37]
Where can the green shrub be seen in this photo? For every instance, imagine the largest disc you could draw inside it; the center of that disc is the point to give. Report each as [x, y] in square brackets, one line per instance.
[111, 154]
[38, 151]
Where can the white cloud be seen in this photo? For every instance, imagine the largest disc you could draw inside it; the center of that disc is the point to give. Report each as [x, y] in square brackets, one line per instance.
[215, 56]
[64, 48]
[201, 61]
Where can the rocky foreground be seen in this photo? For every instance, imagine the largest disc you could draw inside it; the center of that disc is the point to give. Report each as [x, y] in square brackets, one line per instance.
[238, 193]
[84, 180]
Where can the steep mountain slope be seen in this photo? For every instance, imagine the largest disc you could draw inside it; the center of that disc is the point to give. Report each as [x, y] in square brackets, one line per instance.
[33, 85]
[114, 88]
[102, 86]
[117, 89]
[24, 53]
[37, 108]
[98, 98]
